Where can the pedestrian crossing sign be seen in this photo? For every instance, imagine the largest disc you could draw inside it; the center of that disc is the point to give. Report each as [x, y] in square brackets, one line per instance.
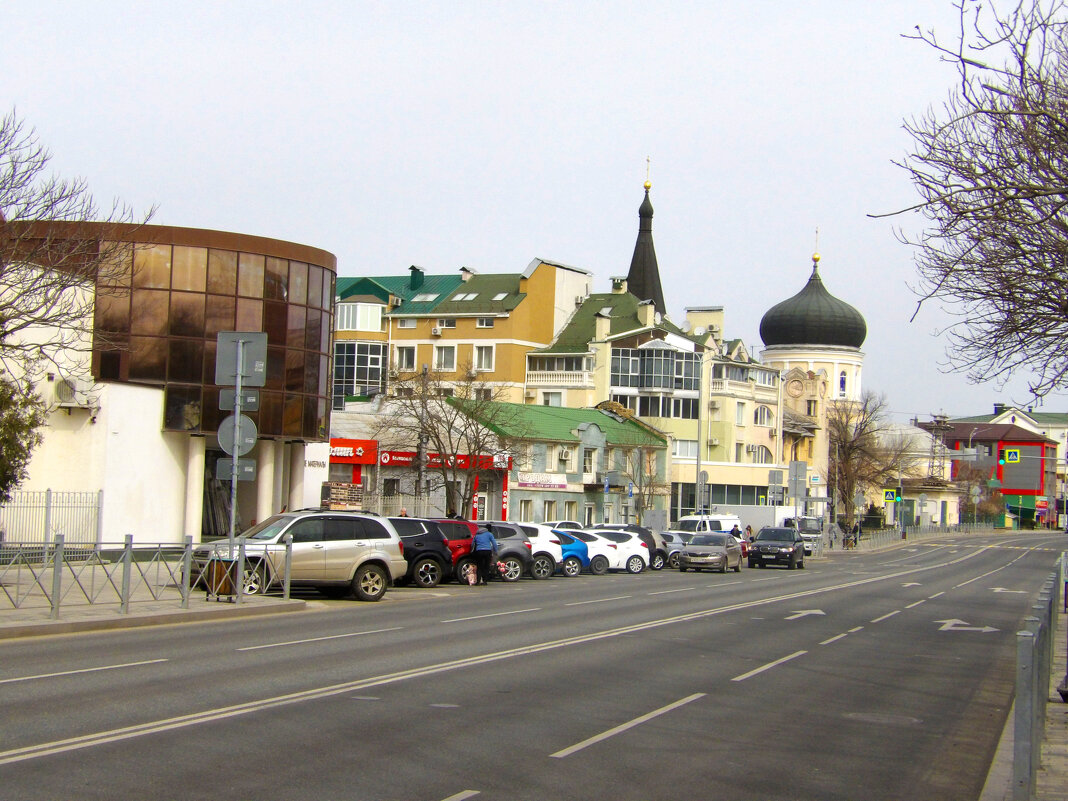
[890, 495]
[1012, 455]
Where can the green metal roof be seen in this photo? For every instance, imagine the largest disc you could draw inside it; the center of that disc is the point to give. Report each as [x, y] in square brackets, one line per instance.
[558, 423]
[622, 310]
[493, 294]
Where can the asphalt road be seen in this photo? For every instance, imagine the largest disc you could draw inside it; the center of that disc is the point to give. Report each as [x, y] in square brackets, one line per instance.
[865, 676]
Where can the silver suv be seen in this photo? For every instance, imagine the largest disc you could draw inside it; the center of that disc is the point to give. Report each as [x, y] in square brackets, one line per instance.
[336, 552]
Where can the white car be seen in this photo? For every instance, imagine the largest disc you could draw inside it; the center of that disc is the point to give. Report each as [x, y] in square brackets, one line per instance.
[631, 554]
[566, 525]
[603, 552]
[546, 548]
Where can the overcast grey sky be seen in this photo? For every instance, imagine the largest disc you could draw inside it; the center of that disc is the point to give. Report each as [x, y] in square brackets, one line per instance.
[484, 134]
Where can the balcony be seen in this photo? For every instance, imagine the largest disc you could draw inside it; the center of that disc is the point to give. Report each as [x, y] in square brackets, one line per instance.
[559, 378]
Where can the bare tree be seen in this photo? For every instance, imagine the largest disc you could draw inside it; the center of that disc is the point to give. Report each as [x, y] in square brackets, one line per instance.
[55, 250]
[865, 451]
[456, 428]
[978, 500]
[991, 169]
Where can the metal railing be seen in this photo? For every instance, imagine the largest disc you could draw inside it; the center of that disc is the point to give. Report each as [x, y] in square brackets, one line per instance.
[1034, 663]
[59, 575]
[37, 516]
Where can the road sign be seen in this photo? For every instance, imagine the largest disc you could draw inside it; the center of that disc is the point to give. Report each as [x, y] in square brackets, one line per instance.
[1012, 455]
[250, 400]
[238, 435]
[889, 495]
[246, 469]
[858, 499]
[253, 357]
[774, 477]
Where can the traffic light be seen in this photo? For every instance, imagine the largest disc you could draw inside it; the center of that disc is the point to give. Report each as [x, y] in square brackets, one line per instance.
[1001, 456]
[897, 494]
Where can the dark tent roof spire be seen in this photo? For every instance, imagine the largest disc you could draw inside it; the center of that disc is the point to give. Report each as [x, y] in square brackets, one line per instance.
[643, 280]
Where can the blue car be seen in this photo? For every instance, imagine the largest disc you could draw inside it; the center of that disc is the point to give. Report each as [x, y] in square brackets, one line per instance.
[576, 555]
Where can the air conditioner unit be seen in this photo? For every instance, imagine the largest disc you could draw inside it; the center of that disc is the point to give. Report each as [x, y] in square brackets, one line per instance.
[578, 300]
[713, 405]
[435, 331]
[750, 448]
[72, 392]
[530, 393]
[714, 441]
[472, 373]
[565, 454]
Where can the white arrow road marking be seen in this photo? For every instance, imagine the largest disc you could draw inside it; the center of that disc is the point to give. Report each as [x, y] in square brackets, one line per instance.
[803, 612]
[962, 625]
[912, 584]
[1002, 589]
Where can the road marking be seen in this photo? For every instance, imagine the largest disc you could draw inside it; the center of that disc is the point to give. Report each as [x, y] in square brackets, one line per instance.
[626, 726]
[917, 603]
[835, 638]
[1002, 589]
[769, 666]
[598, 601]
[224, 713]
[855, 629]
[799, 613]
[460, 796]
[492, 614]
[317, 639]
[911, 584]
[962, 625]
[82, 670]
[665, 592]
[884, 617]
[936, 595]
[757, 581]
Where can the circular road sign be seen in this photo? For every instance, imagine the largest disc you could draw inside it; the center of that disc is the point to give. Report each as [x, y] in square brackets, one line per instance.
[237, 434]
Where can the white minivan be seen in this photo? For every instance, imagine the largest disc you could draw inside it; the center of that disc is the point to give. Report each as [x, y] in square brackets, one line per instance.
[694, 524]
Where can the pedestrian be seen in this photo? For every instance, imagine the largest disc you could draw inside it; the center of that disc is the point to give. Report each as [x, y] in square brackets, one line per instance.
[749, 533]
[404, 511]
[736, 532]
[484, 547]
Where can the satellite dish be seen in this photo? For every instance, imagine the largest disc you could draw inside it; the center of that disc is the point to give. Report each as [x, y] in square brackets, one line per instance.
[686, 325]
[699, 331]
[657, 318]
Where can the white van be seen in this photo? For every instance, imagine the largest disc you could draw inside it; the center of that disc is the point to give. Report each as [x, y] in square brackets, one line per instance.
[692, 524]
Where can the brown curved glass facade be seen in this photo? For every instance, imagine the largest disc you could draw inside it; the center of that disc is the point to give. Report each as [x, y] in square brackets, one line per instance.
[157, 319]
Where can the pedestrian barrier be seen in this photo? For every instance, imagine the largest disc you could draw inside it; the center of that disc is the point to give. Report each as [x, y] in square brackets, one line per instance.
[59, 575]
[1034, 661]
[36, 516]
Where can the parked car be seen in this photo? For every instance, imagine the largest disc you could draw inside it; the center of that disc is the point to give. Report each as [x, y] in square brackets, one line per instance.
[545, 548]
[458, 535]
[576, 554]
[514, 551]
[336, 552]
[567, 525]
[711, 552]
[658, 552]
[426, 550]
[775, 545]
[632, 554]
[702, 524]
[674, 541]
[603, 553]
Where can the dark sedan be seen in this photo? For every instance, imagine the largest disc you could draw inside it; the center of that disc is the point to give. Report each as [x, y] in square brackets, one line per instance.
[777, 546]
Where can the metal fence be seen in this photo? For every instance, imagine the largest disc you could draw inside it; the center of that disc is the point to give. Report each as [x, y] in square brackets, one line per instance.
[36, 517]
[60, 576]
[1034, 663]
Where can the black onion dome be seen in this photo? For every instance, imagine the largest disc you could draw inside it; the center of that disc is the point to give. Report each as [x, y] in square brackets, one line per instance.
[813, 317]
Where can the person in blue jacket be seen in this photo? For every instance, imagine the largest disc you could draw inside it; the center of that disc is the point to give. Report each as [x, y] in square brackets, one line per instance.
[485, 549]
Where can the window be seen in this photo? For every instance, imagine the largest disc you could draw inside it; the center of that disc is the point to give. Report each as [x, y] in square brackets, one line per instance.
[548, 510]
[483, 357]
[357, 369]
[762, 416]
[552, 399]
[444, 357]
[589, 457]
[739, 414]
[570, 510]
[485, 394]
[405, 358]
[762, 455]
[502, 296]
[587, 515]
[466, 296]
[405, 322]
[813, 408]
[484, 322]
[445, 392]
[447, 322]
[842, 384]
[738, 451]
[391, 487]
[684, 448]
[357, 317]
[425, 297]
[550, 458]
[526, 510]
[566, 459]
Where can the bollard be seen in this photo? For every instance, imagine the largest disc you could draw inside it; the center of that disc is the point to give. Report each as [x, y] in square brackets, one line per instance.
[127, 564]
[239, 577]
[1023, 774]
[187, 568]
[289, 564]
[57, 576]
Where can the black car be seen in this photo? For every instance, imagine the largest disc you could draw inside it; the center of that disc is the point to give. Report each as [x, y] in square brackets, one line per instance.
[777, 546]
[426, 549]
[658, 552]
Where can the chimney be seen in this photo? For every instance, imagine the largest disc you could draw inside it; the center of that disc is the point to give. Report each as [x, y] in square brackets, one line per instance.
[619, 286]
[417, 277]
[999, 408]
[646, 312]
[602, 327]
